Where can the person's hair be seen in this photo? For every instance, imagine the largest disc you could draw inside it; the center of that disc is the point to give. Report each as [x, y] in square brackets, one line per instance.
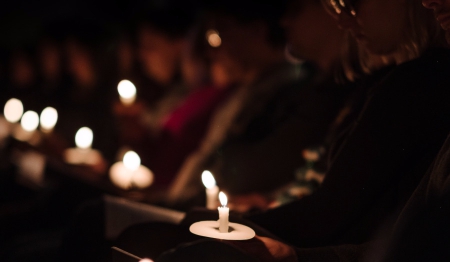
[246, 11]
[421, 32]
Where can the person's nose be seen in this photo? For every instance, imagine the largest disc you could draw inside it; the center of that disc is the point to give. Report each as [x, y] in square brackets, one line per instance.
[432, 4]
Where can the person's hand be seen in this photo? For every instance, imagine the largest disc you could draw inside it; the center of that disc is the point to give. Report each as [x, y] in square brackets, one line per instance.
[244, 203]
[267, 249]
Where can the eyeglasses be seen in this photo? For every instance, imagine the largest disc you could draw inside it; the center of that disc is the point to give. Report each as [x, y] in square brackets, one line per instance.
[339, 6]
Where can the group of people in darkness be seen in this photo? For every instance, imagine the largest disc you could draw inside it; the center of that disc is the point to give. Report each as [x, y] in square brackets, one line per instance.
[327, 123]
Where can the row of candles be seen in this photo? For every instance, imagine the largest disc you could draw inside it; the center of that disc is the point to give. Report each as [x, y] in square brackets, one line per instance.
[125, 174]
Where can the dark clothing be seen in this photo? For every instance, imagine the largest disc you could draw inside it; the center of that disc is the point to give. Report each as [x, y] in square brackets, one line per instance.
[269, 150]
[422, 231]
[383, 157]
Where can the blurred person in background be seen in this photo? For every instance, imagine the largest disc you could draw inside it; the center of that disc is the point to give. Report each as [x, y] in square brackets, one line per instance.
[255, 138]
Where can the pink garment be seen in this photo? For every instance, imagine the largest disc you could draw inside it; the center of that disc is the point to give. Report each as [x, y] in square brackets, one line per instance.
[182, 131]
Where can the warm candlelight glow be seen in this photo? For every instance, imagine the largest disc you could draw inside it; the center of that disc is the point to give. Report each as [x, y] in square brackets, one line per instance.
[30, 121]
[49, 117]
[145, 260]
[208, 179]
[131, 160]
[129, 173]
[213, 38]
[211, 189]
[127, 91]
[84, 137]
[223, 198]
[13, 110]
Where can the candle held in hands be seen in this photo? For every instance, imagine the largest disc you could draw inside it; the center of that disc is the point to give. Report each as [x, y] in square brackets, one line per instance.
[223, 213]
[211, 189]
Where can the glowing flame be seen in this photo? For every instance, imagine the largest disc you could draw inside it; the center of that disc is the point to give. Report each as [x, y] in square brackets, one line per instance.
[145, 260]
[127, 91]
[49, 117]
[13, 110]
[223, 198]
[131, 160]
[213, 38]
[208, 179]
[30, 121]
[84, 137]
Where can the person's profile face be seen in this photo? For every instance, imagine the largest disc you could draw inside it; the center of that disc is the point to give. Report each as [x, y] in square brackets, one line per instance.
[377, 25]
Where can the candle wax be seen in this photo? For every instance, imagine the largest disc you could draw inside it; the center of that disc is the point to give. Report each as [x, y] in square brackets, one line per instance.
[223, 219]
[211, 197]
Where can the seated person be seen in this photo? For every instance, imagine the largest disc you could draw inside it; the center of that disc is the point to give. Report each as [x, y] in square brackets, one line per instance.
[384, 156]
[272, 115]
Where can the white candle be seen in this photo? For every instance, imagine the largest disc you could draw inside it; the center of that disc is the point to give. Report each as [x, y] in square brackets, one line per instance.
[130, 173]
[127, 92]
[223, 213]
[212, 190]
[49, 117]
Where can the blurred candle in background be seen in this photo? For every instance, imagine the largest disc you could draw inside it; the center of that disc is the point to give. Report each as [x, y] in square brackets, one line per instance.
[83, 153]
[84, 138]
[49, 117]
[213, 38]
[223, 213]
[26, 132]
[30, 121]
[129, 173]
[127, 92]
[13, 110]
[212, 190]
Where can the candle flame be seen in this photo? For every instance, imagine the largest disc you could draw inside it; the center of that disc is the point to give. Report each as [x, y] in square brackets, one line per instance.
[126, 89]
[30, 121]
[223, 198]
[84, 137]
[208, 179]
[131, 160]
[13, 110]
[213, 38]
[49, 117]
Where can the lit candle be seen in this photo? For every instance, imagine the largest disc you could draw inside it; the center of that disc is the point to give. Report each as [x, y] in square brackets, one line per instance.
[27, 128]
[127, 92]
[84, 138]
[13, 110]
[213, 38]
[30, 121]
[130, 173]
[212, 190]
[49, 117]
[83, 153]
[223, 213]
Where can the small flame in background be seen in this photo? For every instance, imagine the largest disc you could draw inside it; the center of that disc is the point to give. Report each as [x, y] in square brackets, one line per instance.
[208, 179]
[84, 137]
